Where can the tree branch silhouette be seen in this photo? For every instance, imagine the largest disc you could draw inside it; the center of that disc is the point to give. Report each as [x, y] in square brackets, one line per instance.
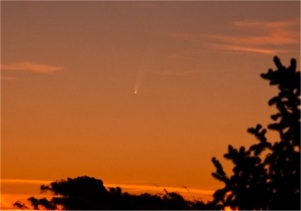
[269, 180]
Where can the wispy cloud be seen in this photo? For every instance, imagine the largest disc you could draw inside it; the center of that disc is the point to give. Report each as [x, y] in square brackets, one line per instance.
[260, 37]
[190, 193]
[275, 33]
[238, 49]
[160, 188]
[24, 181]
[31, 67]
[267, 24]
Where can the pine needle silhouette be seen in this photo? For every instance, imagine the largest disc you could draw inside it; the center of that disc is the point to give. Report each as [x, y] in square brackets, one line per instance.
[267, 175]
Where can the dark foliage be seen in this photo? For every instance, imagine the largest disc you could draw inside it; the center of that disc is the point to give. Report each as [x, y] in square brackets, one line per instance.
[88, 193]
[267, 175]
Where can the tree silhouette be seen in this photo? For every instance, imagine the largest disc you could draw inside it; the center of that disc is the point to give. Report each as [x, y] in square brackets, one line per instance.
[88, 193]
[267, 175]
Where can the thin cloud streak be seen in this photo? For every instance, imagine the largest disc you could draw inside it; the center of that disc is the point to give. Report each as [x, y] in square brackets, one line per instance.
[234, 48]
[31, 67]
[273, 38]
[260, 36]
[131, 188]
[266, 24]
[276, 33]
[24, 181]
[188, 194]
[7, 199]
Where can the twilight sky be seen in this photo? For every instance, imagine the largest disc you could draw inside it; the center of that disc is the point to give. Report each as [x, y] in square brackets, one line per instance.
[141, 94]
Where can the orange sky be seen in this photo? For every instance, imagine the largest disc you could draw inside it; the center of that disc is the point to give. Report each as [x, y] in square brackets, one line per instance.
[70, 71]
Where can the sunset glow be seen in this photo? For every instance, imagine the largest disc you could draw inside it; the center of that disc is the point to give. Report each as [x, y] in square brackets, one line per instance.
[138, 94]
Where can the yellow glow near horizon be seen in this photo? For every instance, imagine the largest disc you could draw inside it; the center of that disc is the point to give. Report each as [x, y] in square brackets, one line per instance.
[32, 189]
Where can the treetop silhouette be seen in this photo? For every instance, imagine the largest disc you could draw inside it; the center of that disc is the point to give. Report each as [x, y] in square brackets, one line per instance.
[89, 193]
[269, 180]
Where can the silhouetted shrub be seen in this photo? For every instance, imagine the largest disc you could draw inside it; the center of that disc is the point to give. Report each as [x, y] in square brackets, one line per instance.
[88, 193]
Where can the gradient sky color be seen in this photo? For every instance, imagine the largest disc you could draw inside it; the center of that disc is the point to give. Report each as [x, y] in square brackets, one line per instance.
[135, 93]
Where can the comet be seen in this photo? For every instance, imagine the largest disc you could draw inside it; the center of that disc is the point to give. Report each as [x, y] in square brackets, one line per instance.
[145, 62]
[139, 80]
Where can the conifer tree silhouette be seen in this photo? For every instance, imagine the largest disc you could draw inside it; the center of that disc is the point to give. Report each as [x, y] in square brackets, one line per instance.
[267, 175]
